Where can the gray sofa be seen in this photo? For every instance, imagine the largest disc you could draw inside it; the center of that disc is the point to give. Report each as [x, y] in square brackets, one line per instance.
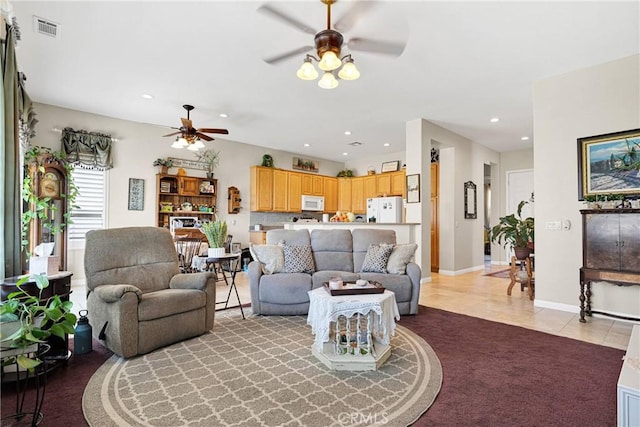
[336, 252]
[136, 294]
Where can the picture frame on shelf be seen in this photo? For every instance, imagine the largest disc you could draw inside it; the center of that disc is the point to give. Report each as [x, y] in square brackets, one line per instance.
[392, 166]
[609, 163]
[136, 194]
[413, 188]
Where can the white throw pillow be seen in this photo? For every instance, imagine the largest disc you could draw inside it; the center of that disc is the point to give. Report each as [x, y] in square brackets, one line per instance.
[270, 257]
[375, 261]
[400, 257]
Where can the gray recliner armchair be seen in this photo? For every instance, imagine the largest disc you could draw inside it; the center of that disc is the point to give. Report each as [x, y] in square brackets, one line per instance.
[137, 299]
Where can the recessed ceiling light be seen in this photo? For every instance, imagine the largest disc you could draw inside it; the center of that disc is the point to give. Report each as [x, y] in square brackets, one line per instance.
[345, 154]
[348, 132]
[525, 138]
[147, 96]
[494, 120]
[386, 144]
[224, 115]
[306, 145]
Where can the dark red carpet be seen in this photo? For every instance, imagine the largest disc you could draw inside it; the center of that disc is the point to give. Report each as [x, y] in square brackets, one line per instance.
[494, 375]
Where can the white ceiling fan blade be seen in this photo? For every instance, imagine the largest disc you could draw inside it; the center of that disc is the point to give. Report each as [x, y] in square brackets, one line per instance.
[275, 13]
[376, 46]
[287, 55]
[358, 10]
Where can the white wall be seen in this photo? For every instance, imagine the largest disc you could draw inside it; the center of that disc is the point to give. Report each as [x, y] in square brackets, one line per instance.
[361, 165]
[138, 146]
[591, 101]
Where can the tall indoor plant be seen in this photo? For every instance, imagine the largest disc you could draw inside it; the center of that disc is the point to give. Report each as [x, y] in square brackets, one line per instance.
[216, 234]
[515, 231]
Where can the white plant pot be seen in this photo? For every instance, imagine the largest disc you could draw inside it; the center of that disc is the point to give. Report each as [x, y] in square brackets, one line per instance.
[215, 252]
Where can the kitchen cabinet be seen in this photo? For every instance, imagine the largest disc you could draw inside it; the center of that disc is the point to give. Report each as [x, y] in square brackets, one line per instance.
[295, 192]
[391, 184]
[280, 190]
[258, 237]
[398, 184]
[370, 189]
[344, 194]
[261, 189]
[610, 252]
[312, 184]
[358, 200]
[330, 185]
[175, 192]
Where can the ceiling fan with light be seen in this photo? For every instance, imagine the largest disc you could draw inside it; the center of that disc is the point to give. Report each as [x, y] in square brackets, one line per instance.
[191, 137]
[329, 44]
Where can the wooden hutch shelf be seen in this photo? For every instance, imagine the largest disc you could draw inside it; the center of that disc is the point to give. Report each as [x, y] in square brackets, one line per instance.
[173, 191]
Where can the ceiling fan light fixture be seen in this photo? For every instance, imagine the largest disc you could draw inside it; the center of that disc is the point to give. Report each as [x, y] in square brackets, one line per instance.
[192, 147]
[329, 61]
[307, 71]
[198, 143]
[328, 81]
[349, 71]
[177, 144]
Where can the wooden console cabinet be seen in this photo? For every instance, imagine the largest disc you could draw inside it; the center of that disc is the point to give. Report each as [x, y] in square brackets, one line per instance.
[610, 252]
[173, 191]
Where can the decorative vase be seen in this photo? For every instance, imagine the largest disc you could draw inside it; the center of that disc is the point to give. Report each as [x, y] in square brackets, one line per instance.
[215, 252]
[209, 175]
[163, 169]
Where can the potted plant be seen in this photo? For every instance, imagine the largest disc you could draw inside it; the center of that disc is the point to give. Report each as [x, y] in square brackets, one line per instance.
[41, 206]
[592, 201]
[27, 321]
[515, 231]
[163, 164]
[216, 234]
[211, 157]
[345, 173]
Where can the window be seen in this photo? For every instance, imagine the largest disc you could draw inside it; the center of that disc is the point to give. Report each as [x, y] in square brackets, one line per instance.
[91, 213]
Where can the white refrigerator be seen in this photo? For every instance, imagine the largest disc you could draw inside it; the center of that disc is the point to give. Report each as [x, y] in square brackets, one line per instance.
[384, 210]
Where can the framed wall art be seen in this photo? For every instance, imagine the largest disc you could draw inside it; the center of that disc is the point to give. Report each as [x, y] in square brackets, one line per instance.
[413, 188]
[390, 166]
[136, 194]
[188, 164]
[305, 165]
[609, 164]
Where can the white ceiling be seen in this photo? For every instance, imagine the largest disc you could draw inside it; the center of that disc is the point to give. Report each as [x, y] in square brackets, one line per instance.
[464, 63]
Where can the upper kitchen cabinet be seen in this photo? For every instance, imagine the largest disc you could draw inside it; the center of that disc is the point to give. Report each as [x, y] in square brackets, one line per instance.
[261, 189]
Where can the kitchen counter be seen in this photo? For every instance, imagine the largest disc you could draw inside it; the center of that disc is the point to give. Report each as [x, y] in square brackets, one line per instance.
[405, 232]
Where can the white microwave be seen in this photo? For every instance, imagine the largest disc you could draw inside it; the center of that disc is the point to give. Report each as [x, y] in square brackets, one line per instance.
[312, 203]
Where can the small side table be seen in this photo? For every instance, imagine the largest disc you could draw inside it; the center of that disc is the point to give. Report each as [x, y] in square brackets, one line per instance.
[352, 331]
[526, 269]
[232, 260]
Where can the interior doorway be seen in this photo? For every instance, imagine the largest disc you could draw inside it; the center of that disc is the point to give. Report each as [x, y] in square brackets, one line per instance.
[487, 215]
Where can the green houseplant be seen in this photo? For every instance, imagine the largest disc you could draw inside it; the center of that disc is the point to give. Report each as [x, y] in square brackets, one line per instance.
[28, 320]
[515, 231]
[163, 164]
[211, 157]
[216, 234]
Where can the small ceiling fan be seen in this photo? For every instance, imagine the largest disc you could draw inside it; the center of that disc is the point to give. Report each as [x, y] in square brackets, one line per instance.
[191, 136]
[331, 40]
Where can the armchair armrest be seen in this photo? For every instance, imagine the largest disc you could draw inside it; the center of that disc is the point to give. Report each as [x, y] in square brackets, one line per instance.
[191, 281]
[113, 293]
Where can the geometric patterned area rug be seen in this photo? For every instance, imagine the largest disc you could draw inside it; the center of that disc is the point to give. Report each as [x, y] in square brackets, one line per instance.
[260, 372]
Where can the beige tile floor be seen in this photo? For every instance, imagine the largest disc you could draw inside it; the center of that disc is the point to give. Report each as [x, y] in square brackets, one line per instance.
[485, 297]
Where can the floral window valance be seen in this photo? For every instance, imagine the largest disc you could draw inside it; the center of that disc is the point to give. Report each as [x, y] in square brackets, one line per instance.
[89, 150]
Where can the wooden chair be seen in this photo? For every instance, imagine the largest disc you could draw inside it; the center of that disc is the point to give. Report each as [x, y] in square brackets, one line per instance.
[187, 248]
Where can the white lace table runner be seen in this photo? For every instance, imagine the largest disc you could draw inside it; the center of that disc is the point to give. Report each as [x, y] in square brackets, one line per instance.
[325, 308]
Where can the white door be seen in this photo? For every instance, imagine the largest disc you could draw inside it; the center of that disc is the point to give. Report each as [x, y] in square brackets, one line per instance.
[520, 187]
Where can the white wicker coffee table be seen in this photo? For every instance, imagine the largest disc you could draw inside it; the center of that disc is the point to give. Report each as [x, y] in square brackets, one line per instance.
[352, 332]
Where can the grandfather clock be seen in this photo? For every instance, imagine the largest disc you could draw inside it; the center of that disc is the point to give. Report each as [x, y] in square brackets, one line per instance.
[49, 187]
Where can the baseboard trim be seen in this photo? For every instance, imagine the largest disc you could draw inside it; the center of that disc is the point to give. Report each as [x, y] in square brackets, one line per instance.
[556, 306]
[459, 272]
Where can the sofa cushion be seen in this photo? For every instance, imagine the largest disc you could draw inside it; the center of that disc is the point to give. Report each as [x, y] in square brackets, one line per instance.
[288, 237]
[167, 302]
[285, 288]
[298, 259]
[270, 257]
[375, 260]
[332, 250]
[400, 284]
[320, 277]
[400, 257]
[363, 237]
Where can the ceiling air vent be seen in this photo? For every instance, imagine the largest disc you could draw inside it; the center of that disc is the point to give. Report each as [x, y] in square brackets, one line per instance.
[355, 143]
[46, 27]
